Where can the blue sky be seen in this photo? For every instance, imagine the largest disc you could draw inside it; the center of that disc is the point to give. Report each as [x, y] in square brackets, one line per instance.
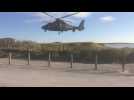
[99, 27]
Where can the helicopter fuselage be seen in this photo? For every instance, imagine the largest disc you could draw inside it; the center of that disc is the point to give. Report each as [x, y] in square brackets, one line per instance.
[59, 25]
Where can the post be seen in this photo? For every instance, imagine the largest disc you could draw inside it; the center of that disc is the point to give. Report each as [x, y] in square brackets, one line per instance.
[96, 61]
[49, 59]
[29, 57]
[71, 61]
[10, 57]
[123, 60]
[123, 63]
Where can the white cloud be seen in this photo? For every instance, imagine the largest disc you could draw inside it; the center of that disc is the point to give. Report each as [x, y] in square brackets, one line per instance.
[107, 19]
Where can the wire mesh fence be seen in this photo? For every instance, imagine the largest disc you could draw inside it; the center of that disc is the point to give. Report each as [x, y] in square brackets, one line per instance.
[92, 61]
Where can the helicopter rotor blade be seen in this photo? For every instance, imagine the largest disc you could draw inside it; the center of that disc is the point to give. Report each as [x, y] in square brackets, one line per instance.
[70, 15]
[49, 15]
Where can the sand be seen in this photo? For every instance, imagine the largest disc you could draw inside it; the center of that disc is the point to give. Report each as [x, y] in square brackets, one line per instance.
[38, 74]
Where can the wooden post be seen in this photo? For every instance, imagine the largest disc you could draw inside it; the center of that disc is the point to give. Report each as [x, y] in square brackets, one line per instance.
[96, 61]
[71, 61]
[49, 59]
[10, 57]
[29, 57]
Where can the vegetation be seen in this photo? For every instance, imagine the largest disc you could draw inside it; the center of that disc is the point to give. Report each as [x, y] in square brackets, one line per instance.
[82, 52]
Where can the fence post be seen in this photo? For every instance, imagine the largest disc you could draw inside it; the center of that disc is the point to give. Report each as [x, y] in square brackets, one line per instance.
[124, 54]
[10, 57]
[123, 63]
[96, 61]
[49, 59]
[71, 61]
[29, 57]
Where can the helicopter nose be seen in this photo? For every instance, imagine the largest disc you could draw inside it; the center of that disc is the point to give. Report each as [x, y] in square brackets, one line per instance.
[43, 27]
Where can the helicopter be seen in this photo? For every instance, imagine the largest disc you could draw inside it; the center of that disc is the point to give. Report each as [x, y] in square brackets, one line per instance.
[60, 25]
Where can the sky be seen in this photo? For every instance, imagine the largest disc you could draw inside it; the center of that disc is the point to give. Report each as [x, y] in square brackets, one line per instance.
[102, 27]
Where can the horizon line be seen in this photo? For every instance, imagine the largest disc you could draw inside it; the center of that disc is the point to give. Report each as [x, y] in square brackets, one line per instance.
[70, 41]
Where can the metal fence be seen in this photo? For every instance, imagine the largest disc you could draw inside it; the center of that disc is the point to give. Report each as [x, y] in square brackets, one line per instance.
[71, 58]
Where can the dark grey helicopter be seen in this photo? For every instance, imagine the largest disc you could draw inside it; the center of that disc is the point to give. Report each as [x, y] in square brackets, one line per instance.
[61, 25]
